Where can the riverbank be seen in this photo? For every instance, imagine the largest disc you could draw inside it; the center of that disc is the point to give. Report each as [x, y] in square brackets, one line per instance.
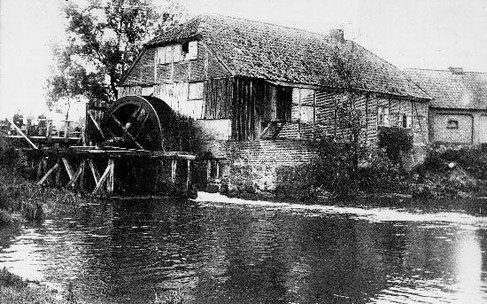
[446, 174]
[22, 200]
[13, 289]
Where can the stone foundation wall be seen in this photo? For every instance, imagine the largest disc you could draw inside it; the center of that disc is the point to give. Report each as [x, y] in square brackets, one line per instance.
[250, 166]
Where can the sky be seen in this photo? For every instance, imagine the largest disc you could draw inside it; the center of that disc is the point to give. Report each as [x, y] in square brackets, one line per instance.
[432, 34]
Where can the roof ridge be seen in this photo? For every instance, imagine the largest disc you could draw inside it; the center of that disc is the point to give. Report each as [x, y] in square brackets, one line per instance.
[264, 22]
[440, 70]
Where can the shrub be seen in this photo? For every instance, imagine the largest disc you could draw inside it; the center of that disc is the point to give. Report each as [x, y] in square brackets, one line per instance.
[297, 181]
[472, 159]
[174, 297]
[395, 141]
[10, 279]
[334, 171]
[11, 157]
[381, 175]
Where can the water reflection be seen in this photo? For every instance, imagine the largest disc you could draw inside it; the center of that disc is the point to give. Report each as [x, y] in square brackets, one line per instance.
[237, 253]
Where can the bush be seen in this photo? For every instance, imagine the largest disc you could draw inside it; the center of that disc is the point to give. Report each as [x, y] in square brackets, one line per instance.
[472, 159]
[11, 157]
[298, 181]
[381, 175]
[9, 279]
[395, 141]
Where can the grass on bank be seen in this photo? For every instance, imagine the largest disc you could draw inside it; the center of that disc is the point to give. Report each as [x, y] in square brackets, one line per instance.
[22, 199]
[14, 290]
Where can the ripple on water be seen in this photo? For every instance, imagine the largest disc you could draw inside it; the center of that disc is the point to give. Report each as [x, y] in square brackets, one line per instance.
[237, 251]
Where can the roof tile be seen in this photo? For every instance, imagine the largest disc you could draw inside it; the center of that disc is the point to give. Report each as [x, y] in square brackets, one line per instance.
[277, 53]
[449, 90]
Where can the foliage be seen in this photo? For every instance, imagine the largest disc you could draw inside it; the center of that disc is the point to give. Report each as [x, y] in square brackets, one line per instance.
[297, 182]
[174, 297]
[380, 175]
[471, 159]
[333, 172]
[348, 69]
[104, 38]
[10, 279]
[395, 141]
[21, 199]
[13, 289]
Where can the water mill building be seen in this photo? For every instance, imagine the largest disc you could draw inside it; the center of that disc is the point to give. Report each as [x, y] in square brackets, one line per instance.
[262, 95]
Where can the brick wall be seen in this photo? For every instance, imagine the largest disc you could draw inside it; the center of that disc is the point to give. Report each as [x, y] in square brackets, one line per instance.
[253, 164]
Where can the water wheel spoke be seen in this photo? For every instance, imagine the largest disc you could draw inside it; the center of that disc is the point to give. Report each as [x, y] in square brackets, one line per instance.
[126, 132]
[142, 126]
[133, 118]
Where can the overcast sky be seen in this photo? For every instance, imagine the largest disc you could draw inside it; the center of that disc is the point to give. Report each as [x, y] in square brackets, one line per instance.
[408, 33]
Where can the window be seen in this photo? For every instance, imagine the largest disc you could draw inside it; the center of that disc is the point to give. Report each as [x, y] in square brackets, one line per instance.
[383, 116]
[406, 121]
[193, 50]
[452, 124]
[177, 53]
[164, 54]
[185, 47]
[195, 99]
[195, 90]
[161, 55]
[190, 50]
[307, 114]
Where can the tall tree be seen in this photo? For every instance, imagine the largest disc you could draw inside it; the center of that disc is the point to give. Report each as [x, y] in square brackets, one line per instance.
[348, 74]
[104, 38]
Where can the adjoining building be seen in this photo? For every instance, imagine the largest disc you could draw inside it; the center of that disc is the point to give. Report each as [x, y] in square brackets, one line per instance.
[458, 111]
[263, 93]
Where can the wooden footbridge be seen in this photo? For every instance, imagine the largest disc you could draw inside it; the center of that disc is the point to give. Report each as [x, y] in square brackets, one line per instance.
[141, 147]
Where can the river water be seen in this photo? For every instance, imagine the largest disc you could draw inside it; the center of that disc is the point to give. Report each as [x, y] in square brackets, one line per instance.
[233, 251]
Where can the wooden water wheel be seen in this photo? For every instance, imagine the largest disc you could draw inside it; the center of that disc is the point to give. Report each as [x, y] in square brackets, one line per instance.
[140, 123]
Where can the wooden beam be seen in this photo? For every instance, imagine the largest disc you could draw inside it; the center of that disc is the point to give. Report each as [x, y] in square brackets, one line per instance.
[23, 135]
[75, 177]
[208, 170]
[188, 174]
[133, 117]
[58, 175]
[142, 126]
[217, 165]
[40, 168]
[174, 164]
[104, 177]
[68, 168]
[97, 126]
[126, 132]
[94, 171]
[111, 178]
[82, 176]
[265, 130]
[43, 179]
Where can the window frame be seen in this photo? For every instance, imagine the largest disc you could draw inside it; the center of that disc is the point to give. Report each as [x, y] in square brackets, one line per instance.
[202, 83]
[307, 111]
[452, 124]
[383, 116]
[406, 121]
